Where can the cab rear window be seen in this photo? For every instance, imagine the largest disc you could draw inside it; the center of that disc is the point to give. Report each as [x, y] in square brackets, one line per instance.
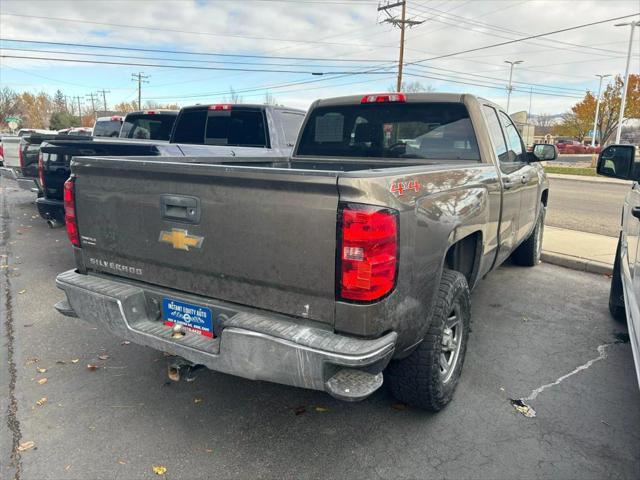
[434, 131]
[148, 126]
[238, 127]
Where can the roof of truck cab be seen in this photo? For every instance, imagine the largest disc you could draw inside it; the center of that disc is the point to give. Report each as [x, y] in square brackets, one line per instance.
[246, 105]
[411, 98]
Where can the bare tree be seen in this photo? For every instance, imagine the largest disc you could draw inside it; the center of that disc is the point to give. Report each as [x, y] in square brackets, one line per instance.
[412, 87]
[270, 99]
[543, 120]
[233, 96]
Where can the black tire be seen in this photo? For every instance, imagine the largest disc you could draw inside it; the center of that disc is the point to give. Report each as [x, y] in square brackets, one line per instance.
[528, 253]
[616, 292]
[418, 380]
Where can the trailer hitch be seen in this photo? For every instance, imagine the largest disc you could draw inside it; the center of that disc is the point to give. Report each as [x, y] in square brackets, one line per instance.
[179, 368]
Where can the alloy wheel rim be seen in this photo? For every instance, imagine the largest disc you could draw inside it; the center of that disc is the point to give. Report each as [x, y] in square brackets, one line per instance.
[451, 344]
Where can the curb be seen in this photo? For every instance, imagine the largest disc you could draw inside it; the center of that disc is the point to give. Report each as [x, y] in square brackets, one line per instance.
[587, 179]
[577, 263]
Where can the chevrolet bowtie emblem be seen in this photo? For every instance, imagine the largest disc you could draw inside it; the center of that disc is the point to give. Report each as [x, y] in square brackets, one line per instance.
[180, 239]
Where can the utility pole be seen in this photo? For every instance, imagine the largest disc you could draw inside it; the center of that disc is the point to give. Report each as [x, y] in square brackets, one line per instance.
[530, 102]
[510, 87]
[401, 23]
[104, 98]
[625, 85]
[141, 78]
[79, 111]
[595, 123]
[93, 99]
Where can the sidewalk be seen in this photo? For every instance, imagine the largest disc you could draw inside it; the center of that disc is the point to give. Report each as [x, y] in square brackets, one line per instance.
[586, 178]
[583, 251]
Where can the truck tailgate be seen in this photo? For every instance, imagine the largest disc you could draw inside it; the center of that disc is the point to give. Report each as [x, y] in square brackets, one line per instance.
[260, 237]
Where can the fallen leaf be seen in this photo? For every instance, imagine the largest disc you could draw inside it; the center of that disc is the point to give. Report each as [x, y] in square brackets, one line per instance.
[399, 406]
[31, 360]
[159, 469]
[299, 410]
[322, 409]
[22, 291]
[41, 370]
[41, 402]
[42, 381]
[523, 408]
[75, 360]
[122, 462]
[26, 446]
[92, 368]
[126, 342]
[103, 357]
[208, 450]
[61, 362]
[68, 467]
[197, 400]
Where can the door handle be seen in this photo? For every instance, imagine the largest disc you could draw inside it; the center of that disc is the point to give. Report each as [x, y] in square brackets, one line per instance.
[524, 179]
[635, 211]
[507, 183]
[180, 208]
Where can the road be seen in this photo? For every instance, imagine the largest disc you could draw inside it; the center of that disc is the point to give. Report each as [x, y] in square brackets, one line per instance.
[586, 206]
[125, 417]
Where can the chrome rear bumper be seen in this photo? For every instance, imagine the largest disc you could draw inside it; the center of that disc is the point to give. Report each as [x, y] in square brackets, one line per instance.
[257, 346]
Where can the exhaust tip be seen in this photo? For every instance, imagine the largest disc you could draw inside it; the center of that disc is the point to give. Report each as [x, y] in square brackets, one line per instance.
[54, 223]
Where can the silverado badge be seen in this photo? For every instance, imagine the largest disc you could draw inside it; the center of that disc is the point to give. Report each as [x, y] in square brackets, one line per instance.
[180, 239]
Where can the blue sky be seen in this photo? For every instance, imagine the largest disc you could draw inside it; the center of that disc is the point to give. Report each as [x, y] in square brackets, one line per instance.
[331, 36]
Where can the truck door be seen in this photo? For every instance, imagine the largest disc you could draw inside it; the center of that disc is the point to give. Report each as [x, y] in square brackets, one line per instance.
[509, 165]
[524, 177]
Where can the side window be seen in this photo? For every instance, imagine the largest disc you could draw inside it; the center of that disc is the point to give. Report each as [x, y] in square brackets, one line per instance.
[495, 132]
[515, 150]
[291, 122]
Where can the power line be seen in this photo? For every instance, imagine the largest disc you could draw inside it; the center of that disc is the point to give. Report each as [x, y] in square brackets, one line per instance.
[195, 67]
[170, 30]
[184, 52]
[137, 57]
[464, 20]
[518, 40]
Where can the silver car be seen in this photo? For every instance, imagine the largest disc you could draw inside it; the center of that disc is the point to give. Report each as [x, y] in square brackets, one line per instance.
[619, 161]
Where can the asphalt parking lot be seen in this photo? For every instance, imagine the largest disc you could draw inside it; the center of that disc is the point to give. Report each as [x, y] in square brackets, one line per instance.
[532, 328]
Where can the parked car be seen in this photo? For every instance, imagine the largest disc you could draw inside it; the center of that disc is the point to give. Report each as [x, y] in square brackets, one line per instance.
[107, 126]
[21, 158]
[571, 147]
[221, 130]
[149, 124]
[620, 161]
[352, 257]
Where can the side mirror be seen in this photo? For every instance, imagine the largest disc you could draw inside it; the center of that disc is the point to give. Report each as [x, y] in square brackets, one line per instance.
[543, 152]
[617, 161]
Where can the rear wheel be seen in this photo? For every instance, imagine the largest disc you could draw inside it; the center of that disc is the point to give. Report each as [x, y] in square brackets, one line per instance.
[529, 252]
[428, 377]
[616, 292]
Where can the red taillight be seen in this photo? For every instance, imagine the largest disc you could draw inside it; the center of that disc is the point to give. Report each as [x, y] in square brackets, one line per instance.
[368, 252]
[116, 118]
[70, 212]
[150, 112]
[220, 106]
[384, 98]
[1, 151]
[41, 169]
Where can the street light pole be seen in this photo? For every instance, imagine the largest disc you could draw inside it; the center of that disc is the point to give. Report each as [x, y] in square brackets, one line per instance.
[595, 123]
[625, 85]
[510, 88]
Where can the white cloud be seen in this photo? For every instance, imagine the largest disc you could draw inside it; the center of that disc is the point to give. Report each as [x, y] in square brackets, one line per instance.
[342, 30]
